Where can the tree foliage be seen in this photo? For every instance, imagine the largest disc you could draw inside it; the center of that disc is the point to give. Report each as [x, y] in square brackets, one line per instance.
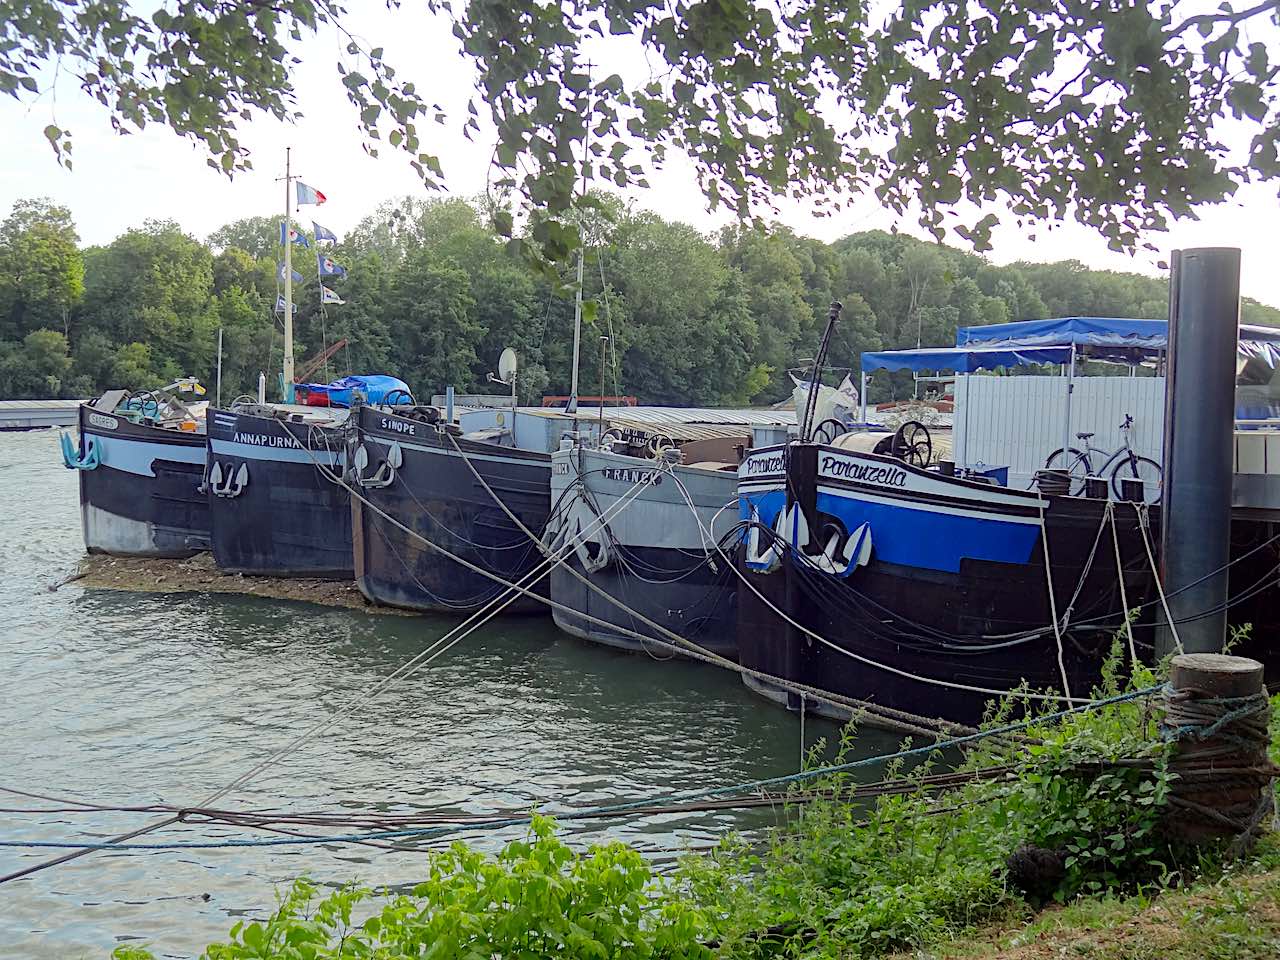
[41, 268]
[433, 295]
[1110, 113]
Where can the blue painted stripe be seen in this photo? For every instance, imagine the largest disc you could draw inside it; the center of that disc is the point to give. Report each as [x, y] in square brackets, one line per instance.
[137, 456]
[914, 536]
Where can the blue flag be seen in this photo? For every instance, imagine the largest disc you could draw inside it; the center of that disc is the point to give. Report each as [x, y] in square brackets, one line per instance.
[328, 296]
[324, 233]
[328, 268]
[294, 237]
[280, 304]
[297, 277]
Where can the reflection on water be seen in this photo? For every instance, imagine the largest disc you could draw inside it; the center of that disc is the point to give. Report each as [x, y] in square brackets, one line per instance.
[122, 698]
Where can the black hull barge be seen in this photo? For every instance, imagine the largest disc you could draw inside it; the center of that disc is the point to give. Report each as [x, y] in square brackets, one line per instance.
[141, 492]
[277, 506]
[887, 583]
[412, 472]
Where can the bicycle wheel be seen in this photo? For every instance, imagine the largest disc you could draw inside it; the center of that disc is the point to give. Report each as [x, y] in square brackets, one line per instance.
[1140, 468]
[1075, 462]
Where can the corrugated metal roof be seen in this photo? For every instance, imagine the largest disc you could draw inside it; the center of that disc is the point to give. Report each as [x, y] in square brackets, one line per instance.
[746, 416]
[8, 405]
[653, 417]
[682, 431]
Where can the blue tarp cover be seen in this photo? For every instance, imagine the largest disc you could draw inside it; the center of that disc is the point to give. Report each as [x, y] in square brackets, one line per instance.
[373, 387]
[963, 360]
[1146, 336]
[1064, 331]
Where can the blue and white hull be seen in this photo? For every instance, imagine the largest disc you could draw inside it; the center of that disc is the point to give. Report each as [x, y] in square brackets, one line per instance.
[924, 593]
[141, 487]
[276, 504]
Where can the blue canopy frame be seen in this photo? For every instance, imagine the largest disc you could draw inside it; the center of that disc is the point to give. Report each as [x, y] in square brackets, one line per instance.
[1057, 340]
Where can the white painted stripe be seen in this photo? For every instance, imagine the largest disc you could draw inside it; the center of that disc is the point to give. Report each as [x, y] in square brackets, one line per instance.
[251, 451]
[136, 456]
[926, 507]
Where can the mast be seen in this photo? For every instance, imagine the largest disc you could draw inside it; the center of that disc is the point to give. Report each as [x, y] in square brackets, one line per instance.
[288, 277]
[577, 335]
[582, 247]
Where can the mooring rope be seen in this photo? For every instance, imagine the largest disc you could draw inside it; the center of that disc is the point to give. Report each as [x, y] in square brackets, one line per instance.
[1143, 522]
[437, 648]
[1226, 761]
[1053, 603]
[1124, 597]
[782, 614]
[621, 807]
[911, 723]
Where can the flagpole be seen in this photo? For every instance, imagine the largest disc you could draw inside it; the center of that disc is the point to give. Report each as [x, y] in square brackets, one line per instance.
[582, 243]
[288, 277]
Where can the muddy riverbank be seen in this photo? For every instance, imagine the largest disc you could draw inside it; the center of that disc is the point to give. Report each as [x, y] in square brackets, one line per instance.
[199, 575]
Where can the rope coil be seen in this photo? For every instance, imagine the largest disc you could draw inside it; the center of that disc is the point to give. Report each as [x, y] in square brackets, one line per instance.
[1222, 784]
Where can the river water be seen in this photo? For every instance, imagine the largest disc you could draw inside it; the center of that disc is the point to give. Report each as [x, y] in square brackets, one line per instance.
[123, 699]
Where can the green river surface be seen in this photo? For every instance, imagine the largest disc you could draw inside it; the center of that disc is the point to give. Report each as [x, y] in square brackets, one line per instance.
[121, 699]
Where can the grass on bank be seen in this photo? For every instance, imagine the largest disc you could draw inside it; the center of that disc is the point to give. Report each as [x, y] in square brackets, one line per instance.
[1234, 916]
[1066, 825]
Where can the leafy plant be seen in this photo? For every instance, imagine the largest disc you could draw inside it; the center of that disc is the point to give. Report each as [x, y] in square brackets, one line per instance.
[908, 870]
[536, 899]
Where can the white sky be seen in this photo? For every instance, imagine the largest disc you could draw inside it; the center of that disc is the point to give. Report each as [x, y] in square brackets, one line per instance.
[118, 182]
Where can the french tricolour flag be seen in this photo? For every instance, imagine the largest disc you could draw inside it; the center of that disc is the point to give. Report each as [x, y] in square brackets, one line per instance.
[308, 194]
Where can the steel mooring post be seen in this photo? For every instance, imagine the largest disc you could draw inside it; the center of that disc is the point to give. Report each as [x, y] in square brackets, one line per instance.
[1199, 428]
[1216, 711]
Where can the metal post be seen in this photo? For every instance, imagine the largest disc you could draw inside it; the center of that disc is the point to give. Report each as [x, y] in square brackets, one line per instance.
[218, 389]
[863, 415]
[1066, 426]
[572, 406]
[287, 373]
[1204, 320]
[515, 407]
[604, 343]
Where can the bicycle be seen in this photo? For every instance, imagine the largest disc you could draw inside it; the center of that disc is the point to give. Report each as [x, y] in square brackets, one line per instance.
[1121, 463]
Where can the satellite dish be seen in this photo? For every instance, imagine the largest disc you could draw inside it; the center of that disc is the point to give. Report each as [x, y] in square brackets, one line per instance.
[507, 365]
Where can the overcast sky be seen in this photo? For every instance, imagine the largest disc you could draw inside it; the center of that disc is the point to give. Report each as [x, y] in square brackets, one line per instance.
[118, 182]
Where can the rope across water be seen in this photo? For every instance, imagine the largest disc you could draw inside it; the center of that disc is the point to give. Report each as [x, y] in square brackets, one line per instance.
[596, 811]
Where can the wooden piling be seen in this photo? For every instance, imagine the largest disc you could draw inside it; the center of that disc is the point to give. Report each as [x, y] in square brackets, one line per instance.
[1216, 714]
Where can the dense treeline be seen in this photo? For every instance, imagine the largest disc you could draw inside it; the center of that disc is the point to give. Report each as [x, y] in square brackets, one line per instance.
[433, 296]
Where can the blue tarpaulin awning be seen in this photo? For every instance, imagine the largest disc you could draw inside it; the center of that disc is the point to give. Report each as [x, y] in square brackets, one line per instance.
[963, 360]
[1064, 331]
[1112, 334]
